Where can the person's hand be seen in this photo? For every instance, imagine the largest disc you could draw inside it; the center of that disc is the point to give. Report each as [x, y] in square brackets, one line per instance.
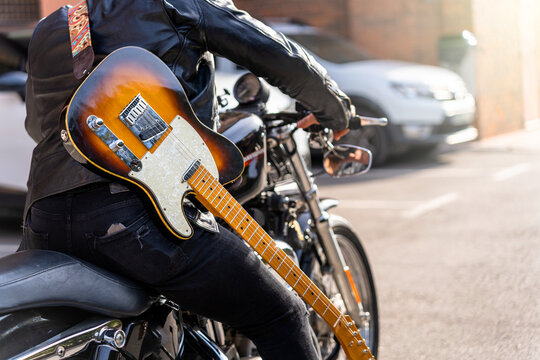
[312, 120]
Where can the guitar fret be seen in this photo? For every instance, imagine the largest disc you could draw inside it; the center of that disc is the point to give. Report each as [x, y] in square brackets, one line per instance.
[318, 296]
[298, 280]
[211, 184]
[232, 207]
[196, 177]
[203, 173]
[309, 285]
[256, 228]
[205, 183]
[245, 228]
[266, 248]
[261, 239]
[269, 261]
[289, 272]
[219, 192]
[339, 318]
[227, 203]
[328, 307]
[218, 202]
[281, 263]
[237, 215]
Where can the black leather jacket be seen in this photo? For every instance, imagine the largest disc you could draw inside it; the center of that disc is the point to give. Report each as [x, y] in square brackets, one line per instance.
[184, 34]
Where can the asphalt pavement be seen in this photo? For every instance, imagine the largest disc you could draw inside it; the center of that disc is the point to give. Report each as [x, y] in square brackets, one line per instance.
[454, 242]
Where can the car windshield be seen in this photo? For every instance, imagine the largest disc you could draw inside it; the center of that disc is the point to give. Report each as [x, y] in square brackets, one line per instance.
[330, 48]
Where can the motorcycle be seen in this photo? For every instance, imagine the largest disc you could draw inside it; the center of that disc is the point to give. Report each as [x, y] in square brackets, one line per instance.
[54, 306]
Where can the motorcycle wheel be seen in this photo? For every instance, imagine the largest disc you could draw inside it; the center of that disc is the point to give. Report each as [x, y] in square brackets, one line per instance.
[356, 259]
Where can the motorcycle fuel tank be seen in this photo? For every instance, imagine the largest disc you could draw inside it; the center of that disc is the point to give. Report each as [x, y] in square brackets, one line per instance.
[247, 131]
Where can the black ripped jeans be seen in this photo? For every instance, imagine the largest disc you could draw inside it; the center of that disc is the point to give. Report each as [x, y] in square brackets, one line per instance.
[214, 275]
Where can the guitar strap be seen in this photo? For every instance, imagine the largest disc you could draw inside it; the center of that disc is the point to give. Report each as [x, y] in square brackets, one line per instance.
[79, 35]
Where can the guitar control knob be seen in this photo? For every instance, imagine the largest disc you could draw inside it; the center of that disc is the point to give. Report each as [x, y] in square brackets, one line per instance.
[94, 122]
[116, 145]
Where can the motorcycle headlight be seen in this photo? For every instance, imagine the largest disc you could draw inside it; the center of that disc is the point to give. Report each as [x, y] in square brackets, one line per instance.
[249, 88]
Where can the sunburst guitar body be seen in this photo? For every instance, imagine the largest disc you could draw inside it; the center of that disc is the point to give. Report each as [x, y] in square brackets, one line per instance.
[131, 119]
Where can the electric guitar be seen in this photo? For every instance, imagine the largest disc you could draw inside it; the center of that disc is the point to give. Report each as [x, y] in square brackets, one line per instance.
[130, 118]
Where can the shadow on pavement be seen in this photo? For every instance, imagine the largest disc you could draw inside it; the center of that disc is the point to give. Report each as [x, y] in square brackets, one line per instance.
[399, 165]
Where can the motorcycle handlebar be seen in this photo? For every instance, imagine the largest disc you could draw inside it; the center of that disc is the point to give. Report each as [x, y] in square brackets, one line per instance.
[355, 122]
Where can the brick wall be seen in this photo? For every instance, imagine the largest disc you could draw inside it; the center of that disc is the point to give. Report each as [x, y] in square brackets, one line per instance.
[331, 15]
[18, 12]
[48, 6]
[396, 29]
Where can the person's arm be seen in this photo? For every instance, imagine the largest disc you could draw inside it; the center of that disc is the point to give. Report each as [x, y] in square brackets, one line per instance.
[246, 41]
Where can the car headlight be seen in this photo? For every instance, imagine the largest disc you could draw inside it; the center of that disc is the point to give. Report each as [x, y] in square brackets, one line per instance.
[412, 90]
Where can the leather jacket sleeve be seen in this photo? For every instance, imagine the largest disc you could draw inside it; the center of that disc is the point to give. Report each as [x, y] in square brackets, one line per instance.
[237, 36]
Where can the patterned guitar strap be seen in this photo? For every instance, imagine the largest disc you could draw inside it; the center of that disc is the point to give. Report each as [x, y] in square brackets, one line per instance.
[81, 44]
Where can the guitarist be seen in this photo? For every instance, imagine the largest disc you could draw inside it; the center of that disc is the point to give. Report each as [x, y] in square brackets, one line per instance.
[73, 210]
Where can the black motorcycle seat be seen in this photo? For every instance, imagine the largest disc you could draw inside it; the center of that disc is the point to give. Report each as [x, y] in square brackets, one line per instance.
[40, 278]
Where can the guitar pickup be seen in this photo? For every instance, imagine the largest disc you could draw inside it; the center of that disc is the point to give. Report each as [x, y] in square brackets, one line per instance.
[143, 121]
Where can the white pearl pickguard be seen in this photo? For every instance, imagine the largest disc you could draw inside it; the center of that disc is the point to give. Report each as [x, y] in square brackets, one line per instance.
[163, 170]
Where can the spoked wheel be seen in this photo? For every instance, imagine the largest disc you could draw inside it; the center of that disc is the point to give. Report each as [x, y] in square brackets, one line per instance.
[356, 259]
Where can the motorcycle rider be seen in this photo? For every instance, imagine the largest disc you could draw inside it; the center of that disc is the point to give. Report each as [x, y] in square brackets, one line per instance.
[73, 210]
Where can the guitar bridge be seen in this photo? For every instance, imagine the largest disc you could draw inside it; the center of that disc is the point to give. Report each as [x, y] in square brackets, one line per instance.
[143, 121]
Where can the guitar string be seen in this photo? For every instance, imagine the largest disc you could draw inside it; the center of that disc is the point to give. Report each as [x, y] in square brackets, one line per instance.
[184, 149]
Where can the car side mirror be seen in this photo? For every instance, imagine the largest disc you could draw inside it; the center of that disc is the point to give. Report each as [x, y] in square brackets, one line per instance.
[347, 160]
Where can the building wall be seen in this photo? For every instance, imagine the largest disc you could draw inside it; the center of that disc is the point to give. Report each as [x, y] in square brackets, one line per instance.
[48, 6]
[503, 70]
[530, 49]
[396, 29]
[15, 13]
[330, 15]
[499, 66]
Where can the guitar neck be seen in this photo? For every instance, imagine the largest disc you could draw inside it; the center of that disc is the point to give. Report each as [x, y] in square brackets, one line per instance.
[239, 219]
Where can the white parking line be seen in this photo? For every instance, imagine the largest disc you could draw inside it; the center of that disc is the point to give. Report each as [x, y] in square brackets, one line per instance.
[376, 204]
[510, 172]
[430, 205]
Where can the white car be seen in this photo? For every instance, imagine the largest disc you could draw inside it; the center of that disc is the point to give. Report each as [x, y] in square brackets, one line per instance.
[425, 105]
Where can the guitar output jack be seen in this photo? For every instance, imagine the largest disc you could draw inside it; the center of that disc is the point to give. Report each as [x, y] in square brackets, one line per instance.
[136, 165]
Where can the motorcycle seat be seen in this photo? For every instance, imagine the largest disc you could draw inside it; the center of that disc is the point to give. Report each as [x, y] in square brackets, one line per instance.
[42, 278]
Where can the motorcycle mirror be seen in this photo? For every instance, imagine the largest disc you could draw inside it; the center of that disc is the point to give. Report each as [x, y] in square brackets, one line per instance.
[347, 160]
